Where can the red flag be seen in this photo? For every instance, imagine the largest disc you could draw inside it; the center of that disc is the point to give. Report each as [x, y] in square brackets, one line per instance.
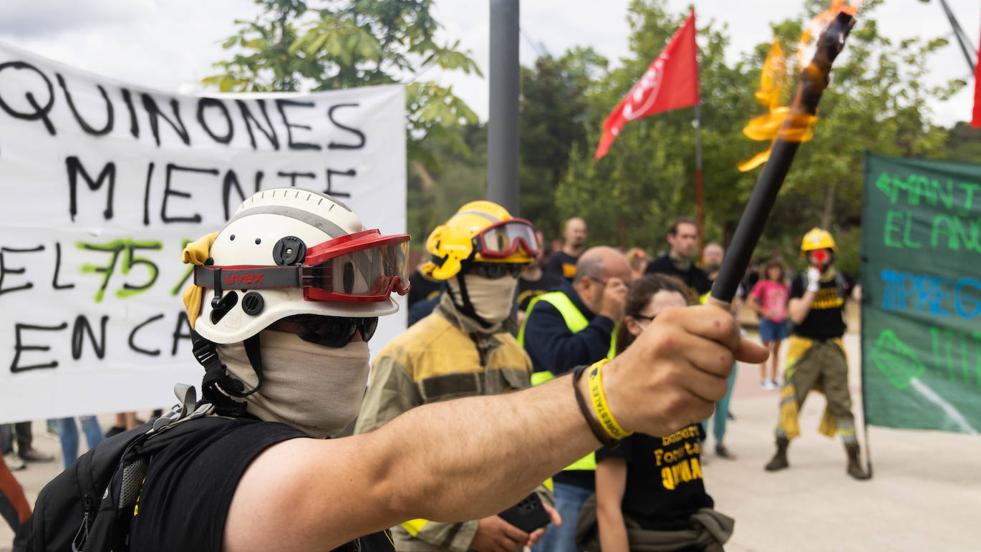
[976, 119]
[670, 82]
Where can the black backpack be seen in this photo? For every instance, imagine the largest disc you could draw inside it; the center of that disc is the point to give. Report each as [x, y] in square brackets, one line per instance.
[88, 507]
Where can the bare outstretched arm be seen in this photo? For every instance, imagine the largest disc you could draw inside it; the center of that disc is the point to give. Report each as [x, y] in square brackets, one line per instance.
[473, 457]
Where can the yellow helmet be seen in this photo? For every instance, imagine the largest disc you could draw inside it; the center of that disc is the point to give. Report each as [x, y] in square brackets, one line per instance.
[482, 232]
[817, 239]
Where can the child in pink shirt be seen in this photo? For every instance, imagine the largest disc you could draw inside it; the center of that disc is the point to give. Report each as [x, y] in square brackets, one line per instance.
[769, 299]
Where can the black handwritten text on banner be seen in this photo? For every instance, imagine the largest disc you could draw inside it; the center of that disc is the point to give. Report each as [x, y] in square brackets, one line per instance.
[103, 183]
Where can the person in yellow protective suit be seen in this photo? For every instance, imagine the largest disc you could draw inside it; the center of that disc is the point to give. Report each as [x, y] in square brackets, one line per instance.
[462, 349]
[816, 354]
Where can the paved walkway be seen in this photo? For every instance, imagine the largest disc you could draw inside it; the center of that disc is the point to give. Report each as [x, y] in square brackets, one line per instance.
[926, 493]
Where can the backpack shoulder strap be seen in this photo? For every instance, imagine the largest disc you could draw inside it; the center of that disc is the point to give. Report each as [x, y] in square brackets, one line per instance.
[108, 526]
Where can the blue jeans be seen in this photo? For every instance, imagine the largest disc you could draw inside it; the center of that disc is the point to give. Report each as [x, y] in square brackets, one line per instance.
[68, 432]
[568, 501]
[6, 439]
[771, 331]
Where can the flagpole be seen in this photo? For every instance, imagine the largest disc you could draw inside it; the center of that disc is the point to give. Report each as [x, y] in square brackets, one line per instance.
[699, 189]
[960, 35]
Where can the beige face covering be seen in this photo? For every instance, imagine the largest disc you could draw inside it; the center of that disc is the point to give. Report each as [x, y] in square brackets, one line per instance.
[313, 388]
[492, 299]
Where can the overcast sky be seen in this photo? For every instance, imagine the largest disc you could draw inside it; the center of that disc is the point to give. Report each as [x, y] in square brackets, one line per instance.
[171, 44]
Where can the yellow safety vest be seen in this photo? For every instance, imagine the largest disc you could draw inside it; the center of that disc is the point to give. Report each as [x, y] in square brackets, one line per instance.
[576, 321]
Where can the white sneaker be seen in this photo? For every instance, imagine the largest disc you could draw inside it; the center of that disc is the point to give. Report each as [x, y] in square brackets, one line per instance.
[769, 385]
[14, 463]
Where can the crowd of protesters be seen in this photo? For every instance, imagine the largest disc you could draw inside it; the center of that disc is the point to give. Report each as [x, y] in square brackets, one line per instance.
[575, 306]
[533, 315]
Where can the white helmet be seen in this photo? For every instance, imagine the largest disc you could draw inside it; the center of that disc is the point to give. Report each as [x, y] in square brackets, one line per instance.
[288, 251]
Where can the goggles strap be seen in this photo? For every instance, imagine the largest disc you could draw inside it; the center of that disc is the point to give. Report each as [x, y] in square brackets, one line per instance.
[222, 278]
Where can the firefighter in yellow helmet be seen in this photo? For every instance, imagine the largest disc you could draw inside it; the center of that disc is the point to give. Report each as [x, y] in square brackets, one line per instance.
[462, 349]
[816, 354]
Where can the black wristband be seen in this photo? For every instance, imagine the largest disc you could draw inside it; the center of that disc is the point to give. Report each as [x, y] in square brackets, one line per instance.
[592, 422]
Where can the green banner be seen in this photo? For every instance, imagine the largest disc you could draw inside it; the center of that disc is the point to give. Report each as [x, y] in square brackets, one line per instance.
[921, 294]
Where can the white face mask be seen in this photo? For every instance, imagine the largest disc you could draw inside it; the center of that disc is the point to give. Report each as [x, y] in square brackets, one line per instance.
[313, 388]
[492, 299]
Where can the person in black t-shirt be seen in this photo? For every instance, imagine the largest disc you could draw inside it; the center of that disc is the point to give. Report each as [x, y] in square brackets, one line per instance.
[283, 302]
[655, 482]
[678, 262]
[816, 354]
[562, 263]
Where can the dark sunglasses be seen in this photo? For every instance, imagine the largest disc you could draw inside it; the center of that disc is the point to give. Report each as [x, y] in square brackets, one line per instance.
[329, 331]
[494, 271]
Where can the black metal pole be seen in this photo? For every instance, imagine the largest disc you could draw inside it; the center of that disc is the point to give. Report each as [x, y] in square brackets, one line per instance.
[502, 123]
[699, 181]
[959, 35]
[813, 81]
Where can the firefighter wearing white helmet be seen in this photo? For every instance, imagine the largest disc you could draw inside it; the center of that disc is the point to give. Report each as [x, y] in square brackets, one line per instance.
[462, 349]
[816, 354]
[285, 299]
[300, 265]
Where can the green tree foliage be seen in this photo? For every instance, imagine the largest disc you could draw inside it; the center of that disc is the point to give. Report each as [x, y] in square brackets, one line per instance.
[878, 101]
[553, 110]
[436, 191]
[630, 196]
[963, 143]
[342, 44]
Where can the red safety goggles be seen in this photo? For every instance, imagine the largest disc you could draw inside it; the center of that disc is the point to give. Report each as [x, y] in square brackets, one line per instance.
[503, 239]
[361, 267]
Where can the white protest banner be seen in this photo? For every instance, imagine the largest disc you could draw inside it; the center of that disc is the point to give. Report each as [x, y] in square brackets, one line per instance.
[101, 185]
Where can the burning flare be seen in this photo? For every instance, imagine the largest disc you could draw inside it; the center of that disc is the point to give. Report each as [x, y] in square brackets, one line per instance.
[780, 120]
[765, 127]
[814, 27]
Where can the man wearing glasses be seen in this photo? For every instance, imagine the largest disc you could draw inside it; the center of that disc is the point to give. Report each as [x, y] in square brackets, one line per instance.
[564, 329]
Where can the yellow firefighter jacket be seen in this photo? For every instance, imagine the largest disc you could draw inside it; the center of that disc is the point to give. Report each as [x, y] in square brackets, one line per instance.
[443, 356]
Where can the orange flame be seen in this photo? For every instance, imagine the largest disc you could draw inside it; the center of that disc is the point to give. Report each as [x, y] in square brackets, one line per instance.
[799, 127]
[765, 127]
[814, 27]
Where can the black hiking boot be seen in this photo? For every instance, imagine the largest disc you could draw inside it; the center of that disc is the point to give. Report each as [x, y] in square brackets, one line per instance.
[779, 460]
[854, 467]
